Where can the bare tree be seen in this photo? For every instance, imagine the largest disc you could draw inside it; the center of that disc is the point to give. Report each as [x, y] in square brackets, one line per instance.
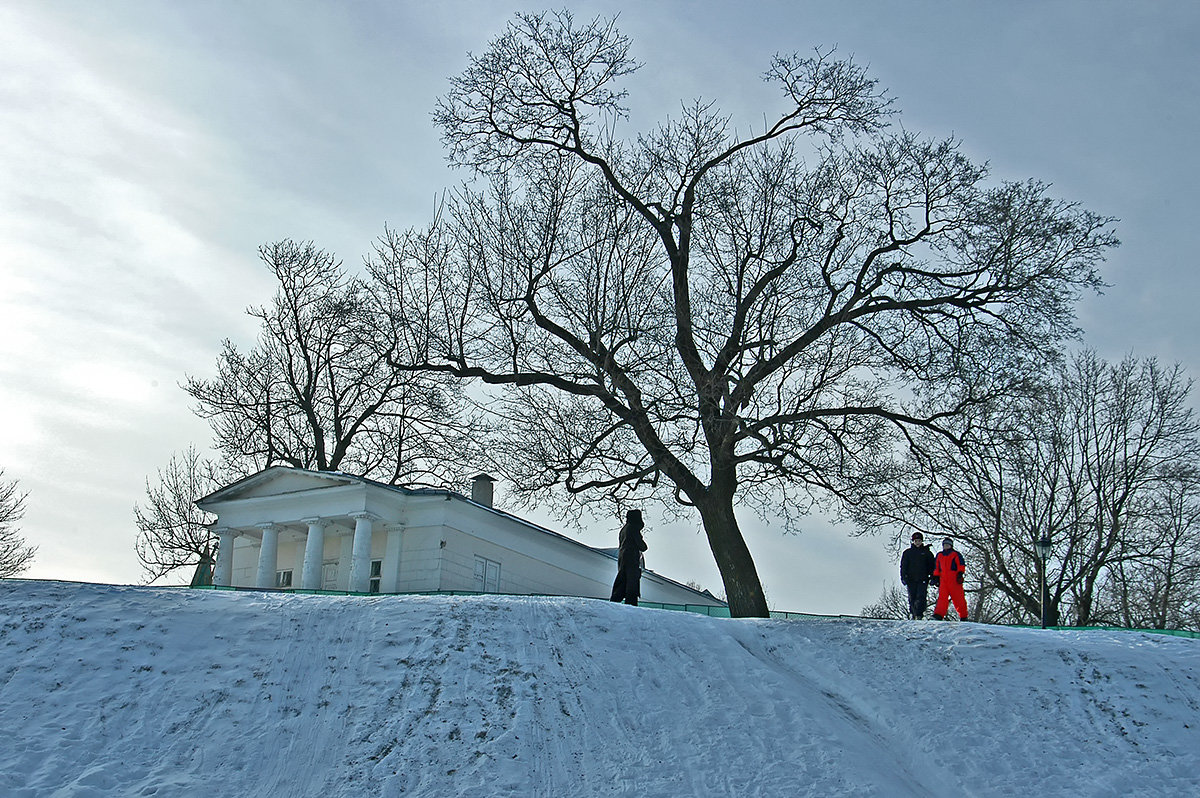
[891, 605]
[15, 555]
[1093, 460]
[711, 318]
[1156, 584]
[174, 533]
[317, 391]
[1135, 429]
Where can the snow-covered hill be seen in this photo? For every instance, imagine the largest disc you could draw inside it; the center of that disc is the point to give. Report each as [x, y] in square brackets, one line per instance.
[121, 691]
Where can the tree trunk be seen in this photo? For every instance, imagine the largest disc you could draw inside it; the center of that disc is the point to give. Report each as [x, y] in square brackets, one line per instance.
[1084, 600]
[743, 590]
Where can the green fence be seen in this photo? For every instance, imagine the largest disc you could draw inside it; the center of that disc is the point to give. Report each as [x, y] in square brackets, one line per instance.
[723, 612]
[1173, 632]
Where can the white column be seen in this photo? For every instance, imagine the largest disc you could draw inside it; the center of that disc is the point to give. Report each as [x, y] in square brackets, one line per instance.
[223, 573]
[390, 581]
[268, 556]
[314, 554]
[360, 557]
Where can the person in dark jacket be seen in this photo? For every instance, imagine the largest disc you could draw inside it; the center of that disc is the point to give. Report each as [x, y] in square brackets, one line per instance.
[916, 568]
[628, 584]
[949, 568]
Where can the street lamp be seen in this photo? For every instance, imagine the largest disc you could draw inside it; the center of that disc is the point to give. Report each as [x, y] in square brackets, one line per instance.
[1042, 546]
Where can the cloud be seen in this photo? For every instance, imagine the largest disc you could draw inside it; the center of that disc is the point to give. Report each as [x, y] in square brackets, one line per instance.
[148, 148]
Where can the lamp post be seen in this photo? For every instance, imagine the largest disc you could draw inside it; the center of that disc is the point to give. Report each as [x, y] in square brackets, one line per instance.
[1042, 546]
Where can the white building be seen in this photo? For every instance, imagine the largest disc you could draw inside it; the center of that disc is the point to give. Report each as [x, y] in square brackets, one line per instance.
[314, 530]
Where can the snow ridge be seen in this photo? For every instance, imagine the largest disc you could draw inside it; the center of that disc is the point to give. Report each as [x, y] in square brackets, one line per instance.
[124, 691]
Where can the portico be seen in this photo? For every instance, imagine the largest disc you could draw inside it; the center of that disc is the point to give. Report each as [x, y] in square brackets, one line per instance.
[314, 545]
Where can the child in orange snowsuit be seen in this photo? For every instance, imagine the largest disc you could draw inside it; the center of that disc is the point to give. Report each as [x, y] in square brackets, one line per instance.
[949, 569]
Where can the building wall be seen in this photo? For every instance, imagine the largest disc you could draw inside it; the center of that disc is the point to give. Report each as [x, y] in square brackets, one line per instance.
[420, 560]
[425, 566]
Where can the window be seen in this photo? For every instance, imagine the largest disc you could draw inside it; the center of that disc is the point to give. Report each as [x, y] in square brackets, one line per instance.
[283, 578]
[376, 575]
[487, 575]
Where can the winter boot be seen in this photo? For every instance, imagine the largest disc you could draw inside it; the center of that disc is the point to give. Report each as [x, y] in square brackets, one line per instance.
[937, 617]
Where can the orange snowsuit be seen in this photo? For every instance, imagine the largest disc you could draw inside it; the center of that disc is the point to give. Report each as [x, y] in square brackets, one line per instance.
[949, 567]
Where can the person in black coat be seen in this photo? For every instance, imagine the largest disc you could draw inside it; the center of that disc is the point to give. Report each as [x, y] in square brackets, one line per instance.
[916, 569]
[628, 584]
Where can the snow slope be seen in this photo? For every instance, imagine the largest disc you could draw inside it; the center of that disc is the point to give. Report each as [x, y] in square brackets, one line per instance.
[122, 691]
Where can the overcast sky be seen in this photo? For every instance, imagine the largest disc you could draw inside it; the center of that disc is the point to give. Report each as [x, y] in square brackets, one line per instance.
[148, 148]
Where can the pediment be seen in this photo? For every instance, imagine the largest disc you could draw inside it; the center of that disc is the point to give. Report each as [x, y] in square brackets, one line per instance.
[276, 481]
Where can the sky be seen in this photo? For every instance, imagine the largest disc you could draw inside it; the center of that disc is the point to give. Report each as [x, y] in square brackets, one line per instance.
[194, 693]
[147, 149]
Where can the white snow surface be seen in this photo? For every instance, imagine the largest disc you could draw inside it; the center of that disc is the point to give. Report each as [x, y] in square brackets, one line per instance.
[127, 691]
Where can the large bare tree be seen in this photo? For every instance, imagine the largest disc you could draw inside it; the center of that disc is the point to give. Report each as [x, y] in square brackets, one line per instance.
[713, 317]
[317, 391]
[15, 554]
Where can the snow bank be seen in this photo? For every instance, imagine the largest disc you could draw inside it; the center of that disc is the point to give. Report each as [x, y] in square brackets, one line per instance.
[121, 691]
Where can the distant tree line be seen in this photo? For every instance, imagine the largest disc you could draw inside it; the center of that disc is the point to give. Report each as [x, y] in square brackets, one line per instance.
[1103, 460]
